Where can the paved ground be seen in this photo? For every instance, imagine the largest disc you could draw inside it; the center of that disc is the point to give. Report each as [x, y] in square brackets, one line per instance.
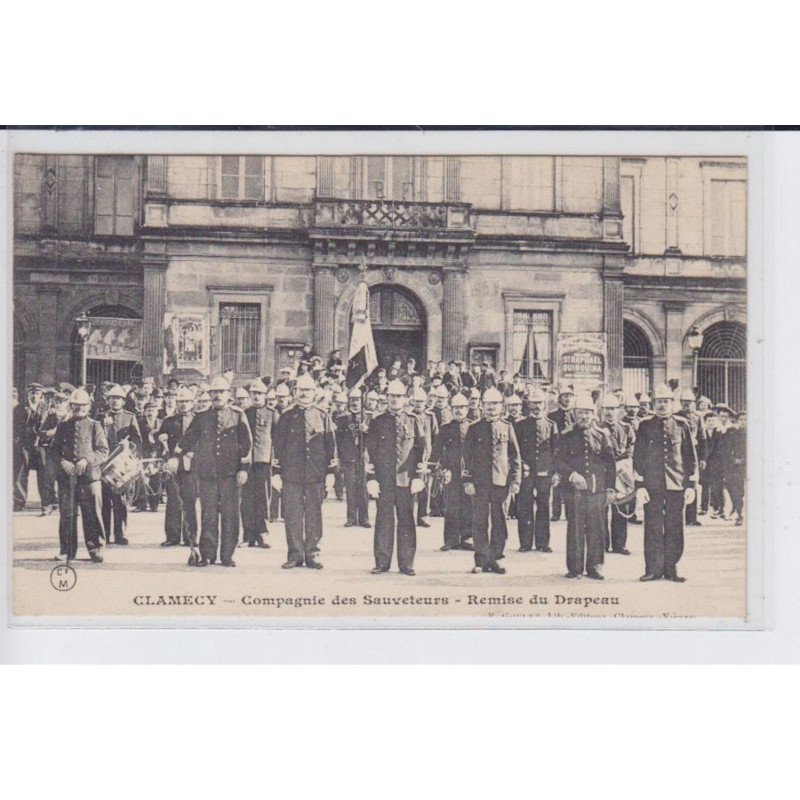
[714, 564]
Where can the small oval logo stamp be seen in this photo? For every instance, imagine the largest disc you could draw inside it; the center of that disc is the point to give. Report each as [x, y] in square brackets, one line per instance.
[63, 578]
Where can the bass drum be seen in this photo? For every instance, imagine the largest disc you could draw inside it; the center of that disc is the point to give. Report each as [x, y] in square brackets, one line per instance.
[121, 468]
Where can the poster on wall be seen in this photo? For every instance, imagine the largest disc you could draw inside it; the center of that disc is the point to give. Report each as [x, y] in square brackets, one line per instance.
[582, 359]
[113, 339]
[186, 342]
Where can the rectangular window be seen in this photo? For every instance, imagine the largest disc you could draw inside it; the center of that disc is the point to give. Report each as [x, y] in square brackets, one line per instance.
[114, 195]
[531, 183]
[728, 218]
[389, 178]
[241, 177]
[533, 344]
[239, 337]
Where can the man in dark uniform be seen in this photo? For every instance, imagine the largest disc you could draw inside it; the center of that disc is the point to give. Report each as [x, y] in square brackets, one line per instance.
[564, 418]
[283, 400]
[47, 430]
[417, 404]
[736, 466]
[622, 438]
[448, 451]
[80, 448]
[700, 440]
[474, 404]
[150, 429]
[492, 474]
[351, 429]
[305, 451]
[118, 424]
[397, 447]
[664, 462]
[537, 436]
[180, 519]
[221, 442]
[255, 508]
[585, 459]
[27, 416]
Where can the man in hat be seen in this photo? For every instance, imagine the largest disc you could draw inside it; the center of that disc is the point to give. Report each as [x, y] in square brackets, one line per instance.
[351, 429]
[736, 469]
[700, 440]
[118, 425]
[623, 437]
[474, 404]
[272, 400]
[221, 442]
[170, 404]
[397, 449]
[26, 418]
[283, 400]
[718, 456]
[665, 463]
[254, 505]
[242, 398]
[58, 412]
[537, 436]
[585, 460]
[644, 406]
[305, 452]
[564, 418]
[150, 429]
[448, 452]
[492, 474]
[80, 448]
[180, 519]
[417, 402]
[631, 412]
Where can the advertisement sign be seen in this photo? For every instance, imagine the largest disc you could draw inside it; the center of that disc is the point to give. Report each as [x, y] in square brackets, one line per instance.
[582, 358]
[112, 339]
[186, 342]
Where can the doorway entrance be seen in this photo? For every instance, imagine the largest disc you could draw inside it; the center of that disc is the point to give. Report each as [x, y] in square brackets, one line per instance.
[398, 326]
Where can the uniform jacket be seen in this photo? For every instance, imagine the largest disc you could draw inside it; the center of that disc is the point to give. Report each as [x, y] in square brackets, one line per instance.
[563, 419]
[491, 454]
[262, 423]
[726, 447]
[396, 443]
[221, 443]
[174, 428]
[80, 438]
[119, 425]
[443, 416]
[47, 429]
[664, 456]
[448, 449]
[150, 449]
[632, 420]
[430, 426]
[538, 443]
[590, 453]
[699, 433]
[26, 421]
[350, 441]
[304, 444]
[622, 436]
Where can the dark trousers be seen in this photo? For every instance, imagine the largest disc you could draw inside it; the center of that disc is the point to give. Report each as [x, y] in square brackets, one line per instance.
[254, 501]
[617, 537]
[705, 483]
[140, 495]
[275, 506]
[663, 531]
[51, 467]
[219, 500]
[437, 505]
[691, 510]
[180, 519]
[457, 514]
[561, 497]
[114, 506]
[422, 500]
[302, 510]
[735, 486]
[87, 497]
[533, 512]
[338, 484]
[355, 488]
[487, 506]
[585, 532]
[716, 494]
[46, 478]
[395, 500]
[24, 462]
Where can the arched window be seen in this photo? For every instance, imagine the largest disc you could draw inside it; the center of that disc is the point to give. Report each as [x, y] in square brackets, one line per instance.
[637, 360]
[722, 364]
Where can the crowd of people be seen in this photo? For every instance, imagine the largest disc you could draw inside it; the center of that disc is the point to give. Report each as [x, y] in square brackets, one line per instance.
[471, 445]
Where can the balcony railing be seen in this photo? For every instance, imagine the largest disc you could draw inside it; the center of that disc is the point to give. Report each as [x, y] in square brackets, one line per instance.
[391, 214]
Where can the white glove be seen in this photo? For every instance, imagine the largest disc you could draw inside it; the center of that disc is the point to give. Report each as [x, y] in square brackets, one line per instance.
[578, 481]
[689, 495]
[417, 485]
[447, 476]
[642, 496]
[241, 477]
[330, 481]
[555, 480]
[469, 489]
[373, 488]
[172, 465]
[277, 482]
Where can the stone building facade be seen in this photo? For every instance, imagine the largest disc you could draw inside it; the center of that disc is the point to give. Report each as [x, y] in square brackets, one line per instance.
[235, 262]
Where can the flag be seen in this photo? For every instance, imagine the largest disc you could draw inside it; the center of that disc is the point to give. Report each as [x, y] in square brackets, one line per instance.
[362, 358]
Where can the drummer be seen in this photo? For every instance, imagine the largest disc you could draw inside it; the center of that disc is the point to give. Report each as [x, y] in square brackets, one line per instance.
[622, 437]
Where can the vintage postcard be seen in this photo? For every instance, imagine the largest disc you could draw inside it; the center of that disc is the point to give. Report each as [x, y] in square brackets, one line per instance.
[271, 386]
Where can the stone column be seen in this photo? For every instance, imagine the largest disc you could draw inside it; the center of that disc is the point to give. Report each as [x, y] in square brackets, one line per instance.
[47, 297]
[453, 323]
[155, 265]
[673, 312]
[324, 308]
[613, 294]
[156, 184]
[612, 210]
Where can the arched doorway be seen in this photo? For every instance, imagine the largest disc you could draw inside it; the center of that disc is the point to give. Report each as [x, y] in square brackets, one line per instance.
[117, 370]
[637, 360]
[722, 364]
[398, 325]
